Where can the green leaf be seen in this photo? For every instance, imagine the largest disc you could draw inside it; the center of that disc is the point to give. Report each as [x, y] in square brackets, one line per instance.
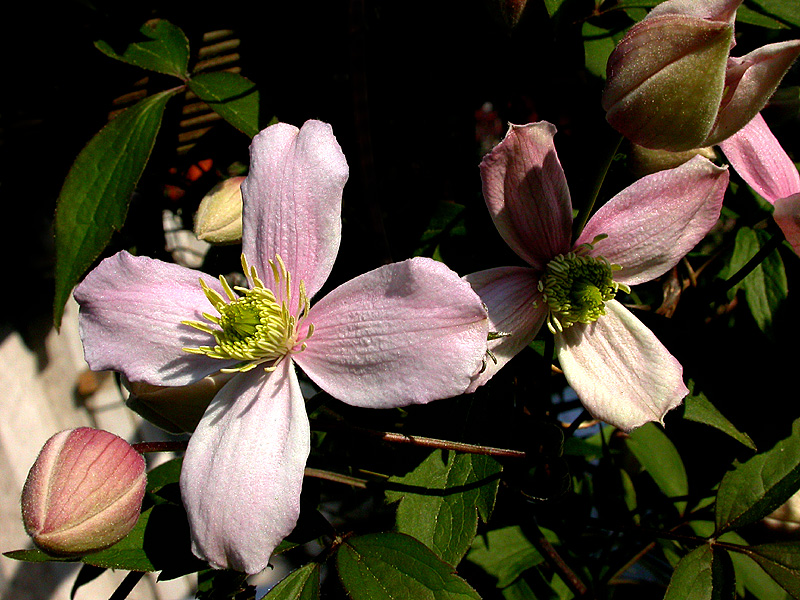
[447, 221]
[699, 409]
[165, 49]
[597, 47]
[441, 499]
[394, 566]
[232, 96]
[504, 554]
[94, 199]
[703, 574]
[751, 17]
[786, 10]
[659, 457]
[755, 580]
[766, 286]
[164, 474]
[782, 562]
[300, 584]
[758, 486]
[35, 555]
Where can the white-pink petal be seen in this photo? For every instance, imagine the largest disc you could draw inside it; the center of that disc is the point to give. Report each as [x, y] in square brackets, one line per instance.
[621, 372]
[405, 333]
[655, 221]
[761, 161]
[515, 308]
[292, 202]
[243, 469]
[787, 216]
[714, 10]
[131, 308]
[527, 195]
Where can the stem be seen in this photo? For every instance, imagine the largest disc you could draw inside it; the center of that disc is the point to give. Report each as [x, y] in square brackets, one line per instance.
[751, 264]
[127, 585]
[336, 477]
[583, 214]
[144, 447]
[573, 582]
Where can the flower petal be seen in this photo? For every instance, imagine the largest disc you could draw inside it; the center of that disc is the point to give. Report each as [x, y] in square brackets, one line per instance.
[527, 194]
[405, 333]
[750, 80]
[761, 161]
[714, 10]
[654, 222]
[511, 296]
[787, 216]
[131, 308]
[620, 371]
[293, 202]
[243, 469]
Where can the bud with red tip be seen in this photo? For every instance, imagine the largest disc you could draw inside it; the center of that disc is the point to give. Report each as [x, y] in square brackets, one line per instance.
[83, 493]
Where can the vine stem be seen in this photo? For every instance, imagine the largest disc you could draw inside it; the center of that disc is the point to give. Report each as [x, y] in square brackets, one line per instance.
[586, 210]
[765, 250]
[145, 447]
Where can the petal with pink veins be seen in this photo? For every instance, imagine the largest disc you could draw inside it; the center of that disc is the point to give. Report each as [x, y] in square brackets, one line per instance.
[243, 469]
[131, 308]
[620, 371]
[405, 333]
[761, 161]
[527, 194]
[515, 308]
[655, 221]
[292, 202]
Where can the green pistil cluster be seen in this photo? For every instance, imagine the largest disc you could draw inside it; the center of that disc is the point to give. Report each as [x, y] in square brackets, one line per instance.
[252, 326]
[576, 288]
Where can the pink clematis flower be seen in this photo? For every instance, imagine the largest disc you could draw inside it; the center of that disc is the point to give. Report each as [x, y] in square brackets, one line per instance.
[759, 158]
[405, 333]
[621, 372]
[672, 84]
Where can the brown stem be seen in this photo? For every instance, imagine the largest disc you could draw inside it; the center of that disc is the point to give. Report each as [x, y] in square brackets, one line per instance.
[337, 477]
[144, 447]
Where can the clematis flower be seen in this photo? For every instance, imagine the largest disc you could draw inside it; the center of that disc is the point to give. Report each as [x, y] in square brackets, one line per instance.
[672, 85]
[616, 365]
[759, 158]
[408, 332]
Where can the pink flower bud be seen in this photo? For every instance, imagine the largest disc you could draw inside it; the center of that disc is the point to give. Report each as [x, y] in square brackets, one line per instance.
[672, 85]
[83, 493]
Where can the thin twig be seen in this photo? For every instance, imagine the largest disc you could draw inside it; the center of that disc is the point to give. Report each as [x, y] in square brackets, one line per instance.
[144, 447]
[336, 477]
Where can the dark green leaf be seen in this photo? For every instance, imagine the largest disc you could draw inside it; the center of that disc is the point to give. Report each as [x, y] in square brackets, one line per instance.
[597, 47]
[94, 200]
[232, 96]
[447, 221]
[659, 457]
[393, 566]
[36, 555]
[758, 486]
[504, 554]
[164, 50]
[164, 474]
[703, 574]
[700, 410]
[786, 10]
[440, 501]
[751, 17]
[755, 580]
[782, 562]
[300, 584]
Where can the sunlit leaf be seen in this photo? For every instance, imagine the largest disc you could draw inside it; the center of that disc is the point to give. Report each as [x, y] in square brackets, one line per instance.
[758, 486]
[659, 457]
[300, 584]
[94, 199]
[234, 97]
[703, 574]
[164, 50]
[700, 410]
[440, 501]
[394, 566]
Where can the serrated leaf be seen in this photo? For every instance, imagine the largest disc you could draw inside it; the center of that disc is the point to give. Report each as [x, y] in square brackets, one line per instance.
[233, 97]
[782, 562]
[504, 554]
[300, 584]
[659, 457]
[703, 574]
[394, 566]
[440, 501]
[758, 486]
[165, 49]
[700, 410]
[94, 199]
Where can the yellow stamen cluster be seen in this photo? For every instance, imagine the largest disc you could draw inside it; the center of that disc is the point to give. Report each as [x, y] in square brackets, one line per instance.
[252, 326]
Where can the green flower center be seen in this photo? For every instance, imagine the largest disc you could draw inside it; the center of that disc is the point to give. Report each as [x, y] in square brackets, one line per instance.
[253, 327]
[576, 288]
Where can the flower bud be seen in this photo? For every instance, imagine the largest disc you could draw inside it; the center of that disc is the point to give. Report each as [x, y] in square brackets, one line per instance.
[672, 85]
[83, 493]
[785, 520]
[645, 161]
[174, 409]
[219, 216]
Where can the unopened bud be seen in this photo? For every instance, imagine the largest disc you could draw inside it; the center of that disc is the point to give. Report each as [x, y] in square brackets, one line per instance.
[83, 493]
[219, 216]
[644, 161]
